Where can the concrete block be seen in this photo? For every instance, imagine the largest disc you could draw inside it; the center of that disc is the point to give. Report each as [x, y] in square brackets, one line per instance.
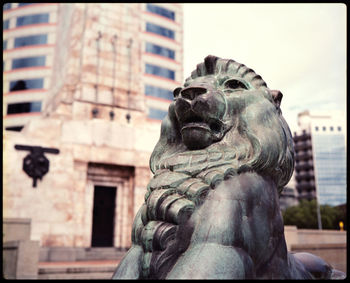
[20, 259]
[16, 229]
[80, 253]
[9, 255]
[44, 254]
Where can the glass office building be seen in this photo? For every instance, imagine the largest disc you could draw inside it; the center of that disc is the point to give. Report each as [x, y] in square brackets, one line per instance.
[320, 148]
[329, 152]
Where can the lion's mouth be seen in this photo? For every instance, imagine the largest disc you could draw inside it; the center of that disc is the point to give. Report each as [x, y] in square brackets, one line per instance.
[198, 131]
[195, 121]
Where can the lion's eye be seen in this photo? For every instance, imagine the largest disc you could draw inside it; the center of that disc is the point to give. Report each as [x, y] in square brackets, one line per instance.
[177, 91]
[235, 84]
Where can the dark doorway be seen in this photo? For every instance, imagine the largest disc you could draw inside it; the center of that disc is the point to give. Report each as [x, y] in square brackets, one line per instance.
[103, 216]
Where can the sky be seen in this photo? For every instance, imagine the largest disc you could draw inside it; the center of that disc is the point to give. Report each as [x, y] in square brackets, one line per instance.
[299, 49]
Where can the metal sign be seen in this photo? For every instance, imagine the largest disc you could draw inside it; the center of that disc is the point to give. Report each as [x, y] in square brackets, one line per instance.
[35, 164]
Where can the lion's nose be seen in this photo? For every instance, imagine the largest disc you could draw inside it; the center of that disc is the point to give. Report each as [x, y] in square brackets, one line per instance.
[192, 92]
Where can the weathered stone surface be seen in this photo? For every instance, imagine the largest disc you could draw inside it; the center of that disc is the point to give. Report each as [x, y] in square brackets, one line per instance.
[77, 132]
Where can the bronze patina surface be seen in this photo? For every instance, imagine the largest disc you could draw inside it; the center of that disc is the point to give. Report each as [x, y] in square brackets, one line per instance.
[211, 210]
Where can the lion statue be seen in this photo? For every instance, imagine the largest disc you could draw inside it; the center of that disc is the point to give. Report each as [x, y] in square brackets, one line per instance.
[211, 210]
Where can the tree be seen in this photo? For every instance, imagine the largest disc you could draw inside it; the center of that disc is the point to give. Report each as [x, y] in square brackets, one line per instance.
[304, 215]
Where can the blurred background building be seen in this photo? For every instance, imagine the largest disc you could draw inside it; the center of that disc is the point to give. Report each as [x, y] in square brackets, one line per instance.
[35, 48]
[289, 195]
[29, 37]
[320, 146]
[92, 81]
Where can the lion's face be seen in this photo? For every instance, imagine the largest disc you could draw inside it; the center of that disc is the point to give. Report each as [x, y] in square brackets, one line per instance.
[200, 109]
[225, 104]
[206, 107]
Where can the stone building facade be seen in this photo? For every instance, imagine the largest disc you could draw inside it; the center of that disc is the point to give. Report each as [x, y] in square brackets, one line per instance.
[98, 116]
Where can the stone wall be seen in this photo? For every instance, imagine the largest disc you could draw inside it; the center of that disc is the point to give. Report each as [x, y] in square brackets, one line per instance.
[296, 236]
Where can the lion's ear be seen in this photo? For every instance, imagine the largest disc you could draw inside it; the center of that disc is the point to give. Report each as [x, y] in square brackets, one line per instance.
[277, 97]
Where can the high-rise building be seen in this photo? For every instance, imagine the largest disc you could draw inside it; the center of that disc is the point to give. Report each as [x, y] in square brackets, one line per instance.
[110, 77]
[162, 55]
[321, 157]
[304, 166]
[29, 36]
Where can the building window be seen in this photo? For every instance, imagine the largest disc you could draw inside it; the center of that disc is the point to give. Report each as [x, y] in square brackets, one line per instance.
[26, 84]
[316, 129]
[31, 40]
[6, 25]
[158, 92]
[25, 107]
[161, 11]
[160, 30]
[157, 113]
[16, 128]
[324, 128]
[28, 62]
[4, 44]
[339, 129]
[6, 6]
[159, 50]
[331, 128]
[160, 71]
[32, 19]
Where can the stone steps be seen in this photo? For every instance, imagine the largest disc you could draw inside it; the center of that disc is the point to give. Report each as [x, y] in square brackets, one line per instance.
[72, 254]
[76, 276]
[103, 254]
[84, 263]
[77, 270]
